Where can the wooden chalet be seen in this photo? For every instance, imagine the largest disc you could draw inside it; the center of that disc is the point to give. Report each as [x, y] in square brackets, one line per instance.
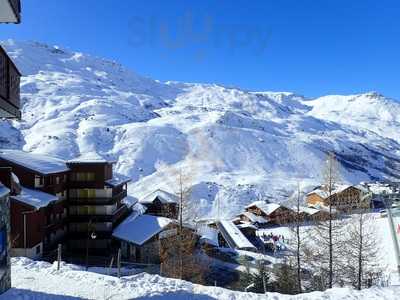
[274, 213]
[140, 235]
[161, 203]
[96, 203]
[342, 197]
[10, 11]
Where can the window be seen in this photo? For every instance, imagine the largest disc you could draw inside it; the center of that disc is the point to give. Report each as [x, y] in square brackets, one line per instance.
[38, 248]
[83, 176]
[39, 181]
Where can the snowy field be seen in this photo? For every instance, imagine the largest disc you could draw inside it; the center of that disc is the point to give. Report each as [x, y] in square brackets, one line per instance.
[40, 280]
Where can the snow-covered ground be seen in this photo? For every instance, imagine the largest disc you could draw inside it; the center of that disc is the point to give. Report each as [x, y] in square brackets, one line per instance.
[40, 280]
[233, 144]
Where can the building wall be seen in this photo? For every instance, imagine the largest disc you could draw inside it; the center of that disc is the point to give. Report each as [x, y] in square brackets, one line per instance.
[5, 267]
[314, 199]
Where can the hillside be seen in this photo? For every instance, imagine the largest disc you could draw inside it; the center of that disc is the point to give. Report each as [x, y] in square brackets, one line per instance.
[234, 144]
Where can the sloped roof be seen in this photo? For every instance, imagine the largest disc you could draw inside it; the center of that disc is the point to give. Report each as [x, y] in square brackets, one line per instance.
[138, 229]
[337, 189]
[308, 210]
[118, 179]
[90, 158]
[35, 198]
[43, 164]
[267, 208]
[163, 196]
[234, 235]
[254, 218]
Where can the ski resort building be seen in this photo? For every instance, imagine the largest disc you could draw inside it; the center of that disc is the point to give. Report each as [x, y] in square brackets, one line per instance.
[39, 209]
[10, 11]
[342, 197]
[95, 203]
[272, 212]
[232, 237]
[140, 235]
[161, 203]
[9, 86]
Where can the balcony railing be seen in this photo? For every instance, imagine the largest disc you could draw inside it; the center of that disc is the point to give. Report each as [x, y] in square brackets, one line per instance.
[114, 217]
[9, 87]
[98, 201]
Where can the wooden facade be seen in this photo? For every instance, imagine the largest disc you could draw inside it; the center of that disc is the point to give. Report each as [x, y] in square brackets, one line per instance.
[93, 206]
[346, 199]
[9, 87]
[160, 209]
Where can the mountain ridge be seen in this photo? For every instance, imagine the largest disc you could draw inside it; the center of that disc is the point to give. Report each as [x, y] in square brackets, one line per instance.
[237, 145]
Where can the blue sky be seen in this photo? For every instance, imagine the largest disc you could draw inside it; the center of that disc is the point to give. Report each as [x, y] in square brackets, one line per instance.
[305, 46]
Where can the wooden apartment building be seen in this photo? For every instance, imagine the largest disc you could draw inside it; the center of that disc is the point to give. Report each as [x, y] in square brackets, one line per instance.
[96, 205]
[77, 203]
[39, 210]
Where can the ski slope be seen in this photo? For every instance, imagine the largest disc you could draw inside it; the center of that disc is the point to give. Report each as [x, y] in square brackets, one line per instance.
[233, 145]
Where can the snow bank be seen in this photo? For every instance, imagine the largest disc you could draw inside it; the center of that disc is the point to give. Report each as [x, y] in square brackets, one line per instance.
[40, 280]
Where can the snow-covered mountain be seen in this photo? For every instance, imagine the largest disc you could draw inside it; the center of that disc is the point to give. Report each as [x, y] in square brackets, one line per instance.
[233, 145]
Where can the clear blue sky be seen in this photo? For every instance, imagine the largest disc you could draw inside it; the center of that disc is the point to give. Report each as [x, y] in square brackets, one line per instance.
[310, 47]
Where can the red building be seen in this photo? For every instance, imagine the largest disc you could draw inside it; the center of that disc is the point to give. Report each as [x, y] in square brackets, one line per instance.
[39, 211]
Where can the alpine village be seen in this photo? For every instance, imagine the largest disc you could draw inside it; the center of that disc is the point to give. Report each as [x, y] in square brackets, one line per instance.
[79, 211]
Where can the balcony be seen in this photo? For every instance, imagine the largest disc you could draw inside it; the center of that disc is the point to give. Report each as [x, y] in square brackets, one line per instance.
[10, 11]
[9, 87]
[99, 218]
[98, 201]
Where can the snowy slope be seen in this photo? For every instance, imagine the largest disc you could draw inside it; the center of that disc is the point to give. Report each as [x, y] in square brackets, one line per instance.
[231, 144]
[41, 280]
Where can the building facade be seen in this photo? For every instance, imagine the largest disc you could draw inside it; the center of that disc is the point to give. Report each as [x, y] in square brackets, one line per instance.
[95, 204]
[39, 210]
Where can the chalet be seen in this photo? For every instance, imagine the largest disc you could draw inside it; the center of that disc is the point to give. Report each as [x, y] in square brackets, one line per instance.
[251, 218]
[342, 197]
[95, 203]
[10, 11]
[161, 203]
[272, 212]
[140, 235]
[9, 86]
[313, 214]
[41, 204]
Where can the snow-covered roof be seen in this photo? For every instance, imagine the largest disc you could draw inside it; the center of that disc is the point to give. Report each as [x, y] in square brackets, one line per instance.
[35, 198]
[4, 191]
[324, 194]
[138, 229]
[163, 196]
[208, 234]
[118, 179]
[235, 235]
[254, 218]
[39, 163]
[90, 158]
[246, 225]
[308, 210]
[267, 208]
